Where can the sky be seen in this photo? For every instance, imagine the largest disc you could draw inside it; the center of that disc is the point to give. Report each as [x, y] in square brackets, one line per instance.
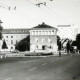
[28, 15]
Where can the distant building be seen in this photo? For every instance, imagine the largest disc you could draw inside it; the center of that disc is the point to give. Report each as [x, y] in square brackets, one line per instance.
[13, 36]
[43, 38]
[67, 31]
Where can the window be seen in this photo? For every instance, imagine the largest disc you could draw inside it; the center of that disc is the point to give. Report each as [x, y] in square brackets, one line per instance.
[39, 32]
[36, 32]
[11, 36]
[42, 32]
[46, 32]
[49, 32]
[11, 47]
[6, 36]
[37, 46]
[11, 41]
[43, 47]
[36, 39]
[7, 41]
[42, 40]
[52, 32]
[33, 32]
[16, 41]
[49, 40]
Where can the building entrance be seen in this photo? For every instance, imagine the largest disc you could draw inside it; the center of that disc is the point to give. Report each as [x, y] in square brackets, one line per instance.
[43, 47]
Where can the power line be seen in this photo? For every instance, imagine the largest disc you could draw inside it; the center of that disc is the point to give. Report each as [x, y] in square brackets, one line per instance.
[49, 12]
[19, 12]
[30, 2]
[53, 12]
[8, 7]
[39, 7]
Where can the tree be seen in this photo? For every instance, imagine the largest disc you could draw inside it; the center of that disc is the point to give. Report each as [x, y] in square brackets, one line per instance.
[58, 39]
[74, 43]
[4, 46]
[24, 44]
[78, 41]
[68, 46]
[59, 45]
[59, 48]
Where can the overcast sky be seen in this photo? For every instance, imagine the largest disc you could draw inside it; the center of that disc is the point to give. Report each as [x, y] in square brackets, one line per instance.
[28, 15]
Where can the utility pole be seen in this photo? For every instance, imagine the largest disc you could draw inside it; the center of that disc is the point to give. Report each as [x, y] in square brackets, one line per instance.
[1, 28]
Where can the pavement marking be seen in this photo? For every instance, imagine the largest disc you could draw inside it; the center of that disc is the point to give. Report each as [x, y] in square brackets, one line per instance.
[32, 69]
[44, 63]
[8, 79]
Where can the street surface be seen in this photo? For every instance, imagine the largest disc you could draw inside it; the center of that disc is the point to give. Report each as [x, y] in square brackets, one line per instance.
[37, 68]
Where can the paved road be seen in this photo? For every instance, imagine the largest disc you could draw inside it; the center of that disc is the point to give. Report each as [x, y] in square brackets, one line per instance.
[47, 68]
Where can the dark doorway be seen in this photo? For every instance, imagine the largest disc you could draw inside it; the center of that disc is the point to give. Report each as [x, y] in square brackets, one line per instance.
[43, 47]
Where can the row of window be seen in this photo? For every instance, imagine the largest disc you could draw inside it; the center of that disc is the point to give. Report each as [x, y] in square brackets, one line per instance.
[19, 31]
[14, 36]
[43, 47]
[43, 40]
[11, 42]
[7, 36]
[42, 32]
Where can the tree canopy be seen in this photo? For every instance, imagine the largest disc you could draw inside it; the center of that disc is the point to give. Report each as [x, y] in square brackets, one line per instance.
[24, 44]
[4, 45]
[58, 39]
[59, 43]
[78, 41]
[1, 28]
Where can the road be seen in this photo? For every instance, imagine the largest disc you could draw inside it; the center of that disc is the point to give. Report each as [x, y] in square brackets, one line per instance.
[45, 68]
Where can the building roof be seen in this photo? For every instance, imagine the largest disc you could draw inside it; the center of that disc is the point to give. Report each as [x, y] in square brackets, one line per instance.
[43, 26]
[15, 31]
[63, 25]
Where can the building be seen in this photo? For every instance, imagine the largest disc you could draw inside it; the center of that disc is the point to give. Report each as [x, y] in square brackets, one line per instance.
[67, 31]
[43, 38]
[13, 36]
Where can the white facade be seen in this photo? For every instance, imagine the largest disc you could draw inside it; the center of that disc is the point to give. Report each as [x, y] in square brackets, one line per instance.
[67, 31]
[43, 38]
[13, 36]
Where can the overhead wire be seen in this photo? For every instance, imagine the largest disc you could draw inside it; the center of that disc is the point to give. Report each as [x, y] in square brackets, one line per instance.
[19, 12]
[54, 13]
[7, 7]
[50, 14]
[57, 15]
[50, 11]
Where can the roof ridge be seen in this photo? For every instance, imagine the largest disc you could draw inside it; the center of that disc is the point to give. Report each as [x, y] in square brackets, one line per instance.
[15, 28]
[43, 25]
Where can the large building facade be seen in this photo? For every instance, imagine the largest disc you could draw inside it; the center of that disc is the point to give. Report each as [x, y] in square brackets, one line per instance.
[67, 31]
[12, 37]
[43, 38]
